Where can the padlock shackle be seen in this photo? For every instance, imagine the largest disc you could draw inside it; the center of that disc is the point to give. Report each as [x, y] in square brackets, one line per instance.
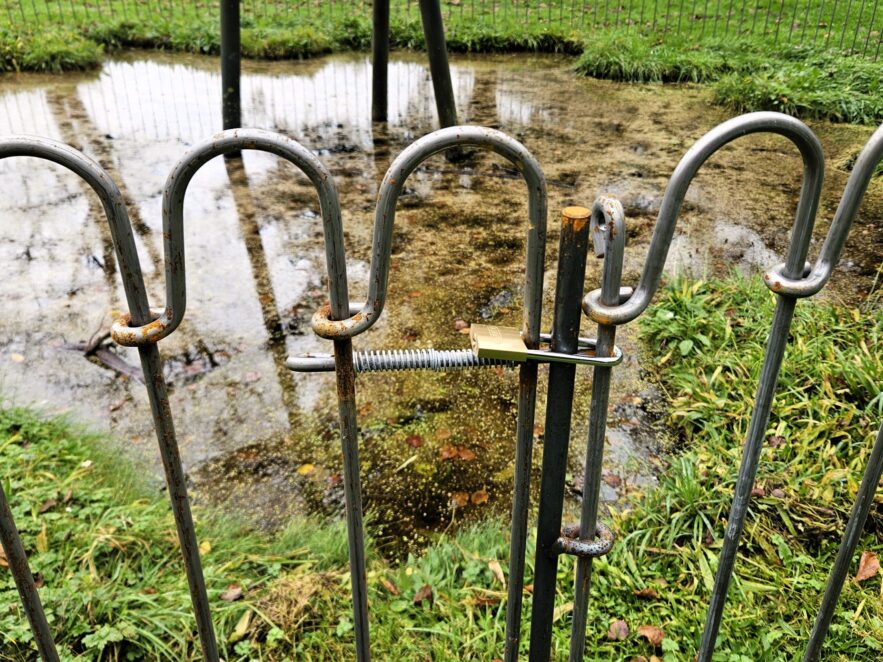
[390, 190]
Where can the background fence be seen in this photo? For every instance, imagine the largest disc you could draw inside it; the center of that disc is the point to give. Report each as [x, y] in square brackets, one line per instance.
[854, 26]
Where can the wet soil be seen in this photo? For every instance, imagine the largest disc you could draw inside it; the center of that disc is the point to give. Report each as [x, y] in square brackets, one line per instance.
[435, 446]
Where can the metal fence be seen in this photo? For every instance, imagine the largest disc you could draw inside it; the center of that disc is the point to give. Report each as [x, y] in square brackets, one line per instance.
[854, 26]
[610, 306]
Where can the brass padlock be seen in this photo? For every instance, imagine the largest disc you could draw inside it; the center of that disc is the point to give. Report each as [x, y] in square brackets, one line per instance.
[504, 343]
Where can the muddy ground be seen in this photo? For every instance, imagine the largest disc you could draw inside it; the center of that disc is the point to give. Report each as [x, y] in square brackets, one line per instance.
[435, 445]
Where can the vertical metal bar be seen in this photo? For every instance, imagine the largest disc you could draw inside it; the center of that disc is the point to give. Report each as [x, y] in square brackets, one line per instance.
[845, 23]
[830, 23]
[24, 582]
[793, 21]
[729, 14]
[870, 28]
[805, 24]
[754, 17]
[231, 56]
[742, 13]
[572, 249]
[380, 60]
[434, 34]
[818, 22]
[346, 398]
[176, 483]
[858, 23]
[608, 229]
[779, 22]
[851, 536]
[717, 12]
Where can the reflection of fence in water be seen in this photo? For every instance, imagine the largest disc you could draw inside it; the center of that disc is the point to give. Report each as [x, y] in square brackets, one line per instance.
[173, 102]
[852, 25]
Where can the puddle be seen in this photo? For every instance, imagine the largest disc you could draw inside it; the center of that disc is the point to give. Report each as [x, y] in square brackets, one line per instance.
[435, 446]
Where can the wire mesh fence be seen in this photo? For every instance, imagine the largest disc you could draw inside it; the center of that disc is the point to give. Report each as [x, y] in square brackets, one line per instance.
[854, 26]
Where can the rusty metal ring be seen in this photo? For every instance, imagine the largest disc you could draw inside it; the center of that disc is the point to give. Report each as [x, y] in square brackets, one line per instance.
[138, 336]
[571, 543]
[807, 286]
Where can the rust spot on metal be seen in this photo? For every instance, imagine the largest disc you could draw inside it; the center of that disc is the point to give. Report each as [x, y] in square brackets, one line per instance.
[576, 216]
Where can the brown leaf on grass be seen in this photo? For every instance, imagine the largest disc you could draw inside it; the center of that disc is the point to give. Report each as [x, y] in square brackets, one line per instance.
[448, 452]
[68, 496]
[232, 593]
[443, 433]
[414, 441]
[150, 590]
[612, 479]
[646, 594]
[39, 580]
[652, 634]
[423, 593]
[389, 586]
[528, 588]
[459, 499]
[466, 454]
[49, 504]
[758, 492]
[486, 600]
[618, 631]
[868, 566]
[479, 497]
[497, 571]
[775, 441]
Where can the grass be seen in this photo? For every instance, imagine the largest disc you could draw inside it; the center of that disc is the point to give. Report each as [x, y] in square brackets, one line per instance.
[772, 55]
[104, 545]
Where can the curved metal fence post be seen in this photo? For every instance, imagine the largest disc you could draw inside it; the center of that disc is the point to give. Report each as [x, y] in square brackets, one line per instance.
[136, 298]
[609, 235]
[853, 194]
[145, 335]
[390, 190]
[795, 268]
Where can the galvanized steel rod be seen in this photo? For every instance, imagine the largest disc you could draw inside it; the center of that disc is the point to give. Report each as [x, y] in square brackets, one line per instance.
[609, 234]
[863, 501]
[573, 247]
[380, 59]
[17, 560]
[145, 336]
[769, 375]
[136, 298]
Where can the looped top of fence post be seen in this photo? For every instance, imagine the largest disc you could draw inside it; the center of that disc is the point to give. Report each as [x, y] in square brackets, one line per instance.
[111, 200]
[817, 276]
[235, 140]
[391, 189]
[801, 232]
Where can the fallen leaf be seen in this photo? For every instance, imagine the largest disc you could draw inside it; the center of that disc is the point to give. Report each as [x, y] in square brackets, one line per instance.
[305, 469]
[389, 586]
[47, 505]
[528, 588]
[652, 634]
[241, 628]
[150, 590]
[779, 494]
[466, 330]
[423, 593]
[459, 499]
[232, 594]
[68, 496]
[561, 611]
[647, 594]
[868, 566]
[486, 600]
[414, 441]
[448, 452]
[758, 492]
[479, 497]
[17, 358]
[442, 433]
[612, 479]
[618, 631]
[460, 324]
[415, 294]
[776, 441]
[466, 454]
[39, 580]
[497, 571]
[205, 547]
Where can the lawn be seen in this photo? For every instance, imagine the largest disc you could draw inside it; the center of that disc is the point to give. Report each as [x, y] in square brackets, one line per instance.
[103, 543]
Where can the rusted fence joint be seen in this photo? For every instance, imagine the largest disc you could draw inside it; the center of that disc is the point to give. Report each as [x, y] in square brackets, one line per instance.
[570, 542]
[123, 333]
